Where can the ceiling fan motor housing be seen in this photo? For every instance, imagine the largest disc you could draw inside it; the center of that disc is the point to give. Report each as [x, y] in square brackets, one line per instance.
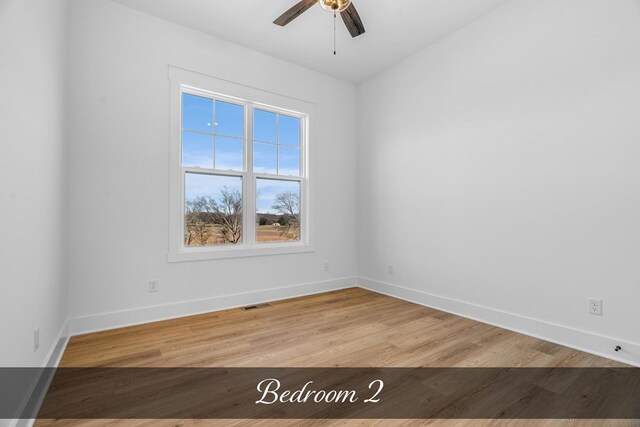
[345, 8]
[334, 6]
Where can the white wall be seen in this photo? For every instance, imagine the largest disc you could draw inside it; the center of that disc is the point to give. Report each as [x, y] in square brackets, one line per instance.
[499, 167]
[33, 131]
[119, 164]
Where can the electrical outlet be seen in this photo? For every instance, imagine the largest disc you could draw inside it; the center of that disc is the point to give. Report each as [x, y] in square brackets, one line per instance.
[153, 286]
[325, 266]
[595, 306]
[36, 339]
[390, 269]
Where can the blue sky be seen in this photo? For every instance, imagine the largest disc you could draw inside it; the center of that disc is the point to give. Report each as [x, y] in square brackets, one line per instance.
[276, 140]
[268, 190]
[202, 136]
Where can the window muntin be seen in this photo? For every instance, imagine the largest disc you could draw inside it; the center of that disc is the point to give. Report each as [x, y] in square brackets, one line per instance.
[229, 180]
[212, 133]
[276, 143]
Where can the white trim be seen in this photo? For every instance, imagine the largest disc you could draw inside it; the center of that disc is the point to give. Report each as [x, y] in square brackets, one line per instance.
[185, 81]
[562, 335]
[578, 339]
[231, 251]
[137, 316]
[52, 360]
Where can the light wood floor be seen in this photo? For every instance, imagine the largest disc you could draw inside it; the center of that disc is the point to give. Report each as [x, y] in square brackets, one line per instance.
[347, 328]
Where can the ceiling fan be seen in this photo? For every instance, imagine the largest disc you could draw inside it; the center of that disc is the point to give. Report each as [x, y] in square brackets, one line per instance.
[345, 8]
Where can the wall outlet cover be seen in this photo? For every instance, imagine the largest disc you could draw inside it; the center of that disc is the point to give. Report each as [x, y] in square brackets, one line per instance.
[153, 286]
[595, 306]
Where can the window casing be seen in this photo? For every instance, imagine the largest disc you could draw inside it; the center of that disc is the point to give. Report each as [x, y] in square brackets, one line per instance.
[268, 179]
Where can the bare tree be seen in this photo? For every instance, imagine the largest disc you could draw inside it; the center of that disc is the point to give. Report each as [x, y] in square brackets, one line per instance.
[228, 214]
[288, 204]
[197, 219]
[225, 213]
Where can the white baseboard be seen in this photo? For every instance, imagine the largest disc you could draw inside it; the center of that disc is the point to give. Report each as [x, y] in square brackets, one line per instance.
[563, 335]
[119, 319]
[588, 342]
[52, 360]
[560, 334]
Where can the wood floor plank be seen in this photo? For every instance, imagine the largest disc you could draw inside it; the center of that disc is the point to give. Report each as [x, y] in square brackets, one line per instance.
[346, 328]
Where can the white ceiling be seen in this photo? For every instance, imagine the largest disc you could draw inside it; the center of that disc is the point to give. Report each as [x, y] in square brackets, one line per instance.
[395, 29]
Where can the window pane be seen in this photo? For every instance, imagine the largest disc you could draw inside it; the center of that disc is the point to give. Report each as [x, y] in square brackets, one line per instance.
[229, 153]
[265, 126]
[229, 119]
[289, 131]
[213, 210]
[265, 158]
[277, 211]
[197, 150]
[289, 161]
[197, 113]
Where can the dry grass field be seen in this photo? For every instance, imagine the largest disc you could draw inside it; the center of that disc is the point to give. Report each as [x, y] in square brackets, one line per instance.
[269, 233]
[264, 234]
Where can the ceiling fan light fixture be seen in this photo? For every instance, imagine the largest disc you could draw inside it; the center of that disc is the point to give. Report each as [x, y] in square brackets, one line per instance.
[345, 8]
[334, 6]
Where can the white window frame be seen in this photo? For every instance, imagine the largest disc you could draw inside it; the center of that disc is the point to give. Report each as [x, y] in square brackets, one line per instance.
[184, 81]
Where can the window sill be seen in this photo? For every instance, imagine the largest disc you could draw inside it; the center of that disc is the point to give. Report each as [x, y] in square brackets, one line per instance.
[202, 254]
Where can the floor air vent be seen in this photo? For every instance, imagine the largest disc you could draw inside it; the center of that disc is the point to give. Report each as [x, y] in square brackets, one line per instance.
[255, 307]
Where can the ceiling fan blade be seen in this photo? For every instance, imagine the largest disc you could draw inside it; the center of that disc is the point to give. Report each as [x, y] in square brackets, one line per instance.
[297, 10]
[352, 21]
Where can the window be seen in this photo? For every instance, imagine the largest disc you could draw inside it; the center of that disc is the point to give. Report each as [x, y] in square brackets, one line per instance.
[242, 177]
